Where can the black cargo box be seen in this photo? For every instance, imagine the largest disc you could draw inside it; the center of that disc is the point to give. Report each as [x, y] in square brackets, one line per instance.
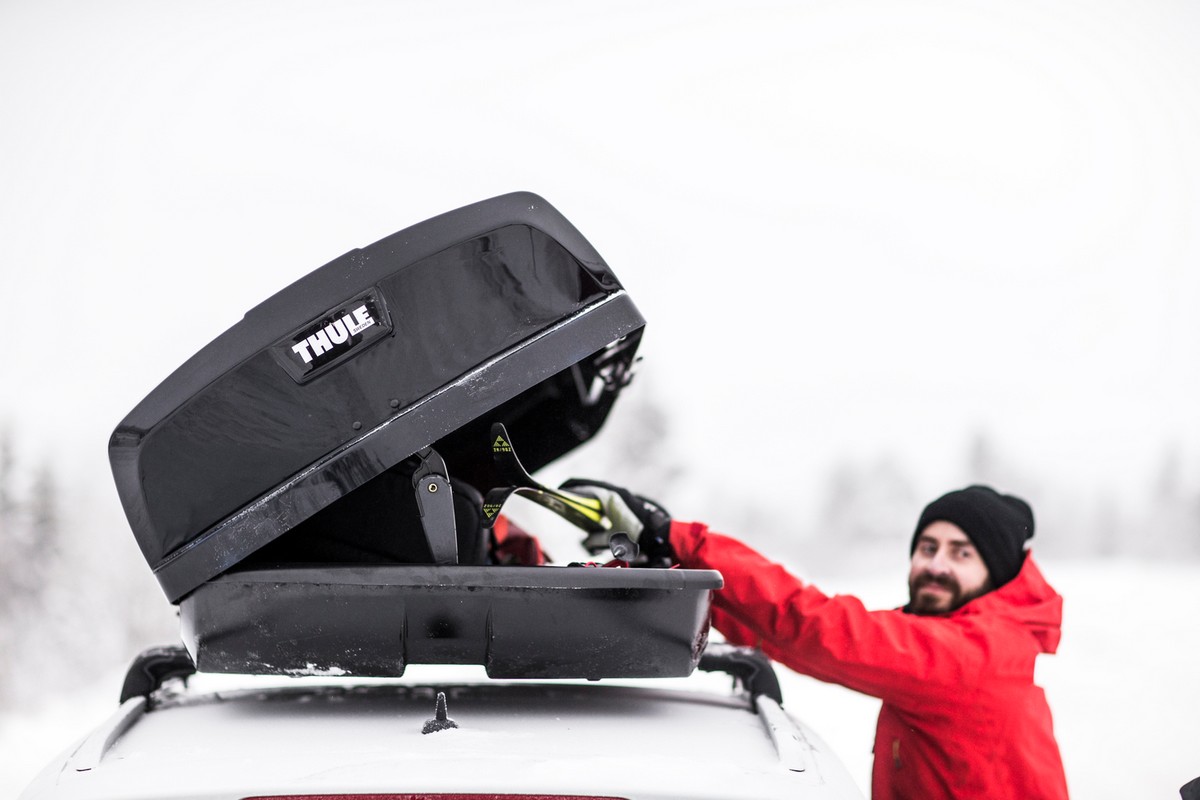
[270, 480]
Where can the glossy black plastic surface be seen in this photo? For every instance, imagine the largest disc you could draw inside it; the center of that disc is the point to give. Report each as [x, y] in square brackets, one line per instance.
[497, 312]
[519, 622]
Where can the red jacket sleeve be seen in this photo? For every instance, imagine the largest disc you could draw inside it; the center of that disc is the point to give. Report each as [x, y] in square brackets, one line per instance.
[898, 657]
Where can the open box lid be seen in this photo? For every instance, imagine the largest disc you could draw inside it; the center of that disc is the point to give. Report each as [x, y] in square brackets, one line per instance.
[497, 312]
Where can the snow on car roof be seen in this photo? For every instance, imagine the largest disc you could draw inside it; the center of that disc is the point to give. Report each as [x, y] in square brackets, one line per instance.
[619, 738]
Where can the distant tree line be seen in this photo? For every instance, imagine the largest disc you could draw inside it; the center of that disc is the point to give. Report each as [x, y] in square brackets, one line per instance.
[866, 505]
[75, 598]
[67, 608]
[865, 502]
[30, 555]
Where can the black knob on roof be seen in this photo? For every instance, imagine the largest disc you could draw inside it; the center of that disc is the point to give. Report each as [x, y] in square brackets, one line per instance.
[440, 721]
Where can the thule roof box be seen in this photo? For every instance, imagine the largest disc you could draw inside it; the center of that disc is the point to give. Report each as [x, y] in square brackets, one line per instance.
[283, 483]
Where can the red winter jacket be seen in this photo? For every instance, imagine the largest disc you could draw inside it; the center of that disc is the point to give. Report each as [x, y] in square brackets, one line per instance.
[961, 716]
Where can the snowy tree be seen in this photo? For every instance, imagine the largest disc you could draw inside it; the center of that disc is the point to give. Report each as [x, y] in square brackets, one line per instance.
[44, 516]
[20, 572]
[9, 565]
[868, 502]
[866, 517]
[8, 524]
[636, 448]
[1171, 524]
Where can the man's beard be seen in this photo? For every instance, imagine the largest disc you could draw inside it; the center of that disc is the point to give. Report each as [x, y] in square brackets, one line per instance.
[927, 605]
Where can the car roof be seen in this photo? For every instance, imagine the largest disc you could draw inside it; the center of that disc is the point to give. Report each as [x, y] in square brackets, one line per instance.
[632, 740]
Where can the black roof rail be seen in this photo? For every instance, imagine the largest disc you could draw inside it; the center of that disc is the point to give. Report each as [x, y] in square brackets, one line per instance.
[748, 665]
[153, 667]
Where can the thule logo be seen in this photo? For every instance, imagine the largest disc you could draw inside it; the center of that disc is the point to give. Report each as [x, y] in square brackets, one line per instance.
[335, 333]
[338, 334]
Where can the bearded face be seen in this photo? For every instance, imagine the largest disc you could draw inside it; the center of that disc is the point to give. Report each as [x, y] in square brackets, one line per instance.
[946, 570]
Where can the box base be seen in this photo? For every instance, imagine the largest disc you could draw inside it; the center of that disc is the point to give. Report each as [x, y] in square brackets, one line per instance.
[518, 622]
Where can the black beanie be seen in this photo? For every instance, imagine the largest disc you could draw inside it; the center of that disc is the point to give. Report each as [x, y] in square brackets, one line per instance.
[998, 524]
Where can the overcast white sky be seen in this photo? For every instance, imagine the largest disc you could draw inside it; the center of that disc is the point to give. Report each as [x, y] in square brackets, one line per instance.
[855, 228]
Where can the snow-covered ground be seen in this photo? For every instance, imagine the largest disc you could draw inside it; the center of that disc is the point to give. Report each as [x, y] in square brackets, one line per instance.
[1124, 689]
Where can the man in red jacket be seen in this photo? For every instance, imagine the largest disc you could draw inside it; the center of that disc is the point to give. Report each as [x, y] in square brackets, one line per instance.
[961, 715]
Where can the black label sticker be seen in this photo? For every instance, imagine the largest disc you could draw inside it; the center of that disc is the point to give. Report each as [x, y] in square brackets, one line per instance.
[334, 337]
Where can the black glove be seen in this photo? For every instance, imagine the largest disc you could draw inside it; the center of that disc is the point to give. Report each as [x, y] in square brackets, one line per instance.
[646, 522]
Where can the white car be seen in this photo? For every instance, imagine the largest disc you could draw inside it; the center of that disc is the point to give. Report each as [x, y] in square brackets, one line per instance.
[696, 737]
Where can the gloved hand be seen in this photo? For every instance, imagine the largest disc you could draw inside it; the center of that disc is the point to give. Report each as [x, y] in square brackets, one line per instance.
[646, 522]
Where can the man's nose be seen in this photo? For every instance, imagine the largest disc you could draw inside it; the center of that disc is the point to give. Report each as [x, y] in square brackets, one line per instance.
[939, 564]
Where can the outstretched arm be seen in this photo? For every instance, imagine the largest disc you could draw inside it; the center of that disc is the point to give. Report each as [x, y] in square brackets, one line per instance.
[887, 654]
